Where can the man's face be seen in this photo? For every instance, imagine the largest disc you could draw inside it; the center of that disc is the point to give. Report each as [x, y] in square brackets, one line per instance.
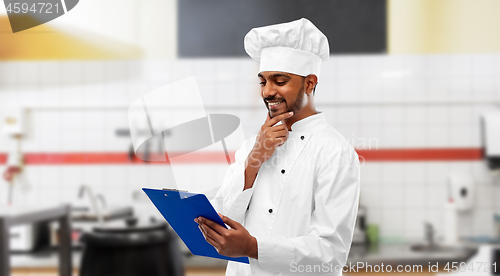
[282, 92]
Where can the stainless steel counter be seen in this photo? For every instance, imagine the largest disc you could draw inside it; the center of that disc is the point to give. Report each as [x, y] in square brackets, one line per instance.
[402, 254]
[15, 216]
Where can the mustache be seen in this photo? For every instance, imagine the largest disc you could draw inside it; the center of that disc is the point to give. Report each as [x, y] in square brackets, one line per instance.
[273, 98]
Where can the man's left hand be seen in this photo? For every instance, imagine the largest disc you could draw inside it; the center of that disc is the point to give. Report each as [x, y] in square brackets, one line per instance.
[234, 242]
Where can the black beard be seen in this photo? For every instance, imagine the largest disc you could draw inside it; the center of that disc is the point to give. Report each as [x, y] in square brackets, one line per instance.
[296, 105]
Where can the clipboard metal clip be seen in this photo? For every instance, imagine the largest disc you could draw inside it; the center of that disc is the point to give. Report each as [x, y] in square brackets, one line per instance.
[175, 190]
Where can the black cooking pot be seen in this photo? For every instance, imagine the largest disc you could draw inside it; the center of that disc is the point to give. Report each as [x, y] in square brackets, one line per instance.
[131, 250]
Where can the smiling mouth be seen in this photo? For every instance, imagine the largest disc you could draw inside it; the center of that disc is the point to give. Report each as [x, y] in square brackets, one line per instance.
[274, 104]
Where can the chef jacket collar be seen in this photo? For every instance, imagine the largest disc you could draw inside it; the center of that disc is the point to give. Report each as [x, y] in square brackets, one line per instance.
[306, 124]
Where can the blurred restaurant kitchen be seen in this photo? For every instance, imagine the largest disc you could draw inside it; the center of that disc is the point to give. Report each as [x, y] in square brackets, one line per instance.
[413, 85]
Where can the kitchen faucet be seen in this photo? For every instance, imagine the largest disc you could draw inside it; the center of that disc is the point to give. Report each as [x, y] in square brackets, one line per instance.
[92, 199]
[101, 198]
[429, 234]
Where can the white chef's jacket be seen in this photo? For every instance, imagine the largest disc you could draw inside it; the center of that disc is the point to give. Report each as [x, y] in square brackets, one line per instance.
[302, 207]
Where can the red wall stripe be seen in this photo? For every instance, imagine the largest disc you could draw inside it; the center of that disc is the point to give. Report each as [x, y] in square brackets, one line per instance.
[450, 154]
[380, 155]
[112, 158]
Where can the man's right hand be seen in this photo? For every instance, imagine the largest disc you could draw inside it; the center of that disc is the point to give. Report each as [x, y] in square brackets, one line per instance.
[268, 139]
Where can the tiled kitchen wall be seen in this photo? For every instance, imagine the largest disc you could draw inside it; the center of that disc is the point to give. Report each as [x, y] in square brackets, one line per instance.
[375, 101]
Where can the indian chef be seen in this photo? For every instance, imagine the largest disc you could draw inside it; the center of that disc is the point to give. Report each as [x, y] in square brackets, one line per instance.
[291, 197]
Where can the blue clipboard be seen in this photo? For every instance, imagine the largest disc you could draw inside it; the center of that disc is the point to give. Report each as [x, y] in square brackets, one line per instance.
[180, 209]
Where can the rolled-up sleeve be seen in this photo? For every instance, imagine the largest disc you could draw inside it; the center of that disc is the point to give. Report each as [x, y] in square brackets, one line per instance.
[328, 243]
